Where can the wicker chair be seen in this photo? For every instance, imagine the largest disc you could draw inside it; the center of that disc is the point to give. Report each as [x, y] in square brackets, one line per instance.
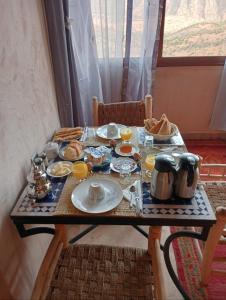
[216, 191]
[98, 272]
[130, 113]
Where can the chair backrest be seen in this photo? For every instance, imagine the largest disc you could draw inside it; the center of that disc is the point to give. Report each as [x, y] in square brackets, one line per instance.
[131, 113]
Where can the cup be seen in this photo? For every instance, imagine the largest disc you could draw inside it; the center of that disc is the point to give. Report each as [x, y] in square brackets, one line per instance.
[148, 141]
[96, 192]
[126, 134]
[149, 164]
[125, 173]
[112, 130]
[80, 170]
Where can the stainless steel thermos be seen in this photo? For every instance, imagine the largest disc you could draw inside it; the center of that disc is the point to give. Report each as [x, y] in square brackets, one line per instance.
[169, 179]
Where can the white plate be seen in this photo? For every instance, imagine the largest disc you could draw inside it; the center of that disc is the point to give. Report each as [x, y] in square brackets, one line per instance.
[116, 163]
[53, 165]
[135, 149]
[160, 137]
[102, 132]
[113, 196]
[61, 154]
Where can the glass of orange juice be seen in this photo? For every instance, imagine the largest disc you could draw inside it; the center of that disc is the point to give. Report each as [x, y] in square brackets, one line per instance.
[149, 164]
[126, 134]
[80, 170]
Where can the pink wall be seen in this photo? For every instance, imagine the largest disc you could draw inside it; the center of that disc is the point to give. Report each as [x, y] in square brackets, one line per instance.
[28, 117]
[187, 96]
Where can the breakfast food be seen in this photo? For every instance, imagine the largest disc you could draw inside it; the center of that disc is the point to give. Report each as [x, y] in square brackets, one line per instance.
[67, 134]
[161, 127]
[61, 169]
[126, 148]
[73, 150]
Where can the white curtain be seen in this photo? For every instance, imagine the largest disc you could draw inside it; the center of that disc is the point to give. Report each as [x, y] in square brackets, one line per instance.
[218, 120]
[143, 42]
[85, 55]
[109, 17]
[114, 44]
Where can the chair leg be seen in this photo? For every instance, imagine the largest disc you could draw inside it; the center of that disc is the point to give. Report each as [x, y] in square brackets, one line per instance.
[155, 253]
[95, 111]
[63, 231]
[148, 107]
[210, 245]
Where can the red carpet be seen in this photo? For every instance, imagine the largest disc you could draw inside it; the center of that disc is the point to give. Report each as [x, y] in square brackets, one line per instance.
[212, 151]
[186, 252]
[188, 268]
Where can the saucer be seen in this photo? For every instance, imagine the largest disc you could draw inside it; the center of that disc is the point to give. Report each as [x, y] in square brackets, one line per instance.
[134, 149]
[116, 163]
[81, 200]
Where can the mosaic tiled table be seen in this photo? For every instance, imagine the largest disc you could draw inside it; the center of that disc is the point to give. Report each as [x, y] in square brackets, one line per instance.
[175, 212]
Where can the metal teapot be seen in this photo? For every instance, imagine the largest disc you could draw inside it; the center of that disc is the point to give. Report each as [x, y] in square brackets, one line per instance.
[163, 176]
[38, 184]
[187, 176]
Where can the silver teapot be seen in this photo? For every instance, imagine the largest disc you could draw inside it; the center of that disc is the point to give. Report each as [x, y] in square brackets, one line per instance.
[163, 177]
[38, 184]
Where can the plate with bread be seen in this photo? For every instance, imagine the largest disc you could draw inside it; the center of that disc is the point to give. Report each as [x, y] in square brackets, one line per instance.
[68, 134]
[161, 130]
[72, 151]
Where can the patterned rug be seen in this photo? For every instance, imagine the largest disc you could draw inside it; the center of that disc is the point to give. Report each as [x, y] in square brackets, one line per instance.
[188, 260]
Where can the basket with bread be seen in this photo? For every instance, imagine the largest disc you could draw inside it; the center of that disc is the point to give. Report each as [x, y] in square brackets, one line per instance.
[72, 151]
[162, 129]
[67, 134]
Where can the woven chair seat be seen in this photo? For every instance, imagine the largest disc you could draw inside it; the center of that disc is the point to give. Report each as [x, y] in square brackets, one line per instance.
[216, 192]
[102, 272]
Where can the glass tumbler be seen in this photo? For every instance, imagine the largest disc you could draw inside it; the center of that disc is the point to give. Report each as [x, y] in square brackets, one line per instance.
[148, 141]
[125, 173]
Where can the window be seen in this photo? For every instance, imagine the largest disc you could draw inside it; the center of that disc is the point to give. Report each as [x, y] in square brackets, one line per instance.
[118, 25]
[193, 33]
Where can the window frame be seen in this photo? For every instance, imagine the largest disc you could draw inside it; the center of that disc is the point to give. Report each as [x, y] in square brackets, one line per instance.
[185, 60]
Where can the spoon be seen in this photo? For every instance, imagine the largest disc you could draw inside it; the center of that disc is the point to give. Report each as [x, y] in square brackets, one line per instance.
[132, 190]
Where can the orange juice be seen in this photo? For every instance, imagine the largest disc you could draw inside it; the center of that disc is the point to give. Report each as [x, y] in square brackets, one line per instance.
[149, 162]
[80, 170]
[126, 134]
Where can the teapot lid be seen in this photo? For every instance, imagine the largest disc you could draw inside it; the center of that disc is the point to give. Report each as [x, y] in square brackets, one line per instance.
[164, 163]
[189, 159]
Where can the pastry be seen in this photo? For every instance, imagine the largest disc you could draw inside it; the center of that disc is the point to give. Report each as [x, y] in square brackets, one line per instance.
[66, 134]
[73, 150]
[70, 153]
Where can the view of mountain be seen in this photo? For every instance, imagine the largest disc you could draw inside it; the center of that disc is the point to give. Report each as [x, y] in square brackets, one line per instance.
[195, 28]
[202, 9]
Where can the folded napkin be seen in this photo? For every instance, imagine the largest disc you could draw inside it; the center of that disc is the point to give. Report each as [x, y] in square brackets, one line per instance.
[127, 195]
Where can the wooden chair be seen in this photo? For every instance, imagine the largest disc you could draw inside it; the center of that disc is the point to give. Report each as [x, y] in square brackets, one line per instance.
[130, 113]
[216, 191]
[99, 272]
